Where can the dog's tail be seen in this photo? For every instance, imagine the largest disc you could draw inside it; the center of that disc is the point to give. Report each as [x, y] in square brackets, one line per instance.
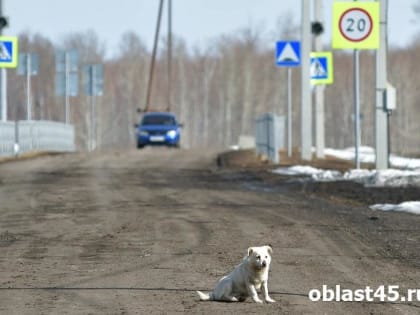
[204, 296]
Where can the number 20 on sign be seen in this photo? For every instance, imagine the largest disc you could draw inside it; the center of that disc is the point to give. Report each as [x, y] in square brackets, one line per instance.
[355, 25]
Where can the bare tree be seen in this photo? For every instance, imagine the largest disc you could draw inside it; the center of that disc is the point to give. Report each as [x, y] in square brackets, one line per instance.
[217, 90]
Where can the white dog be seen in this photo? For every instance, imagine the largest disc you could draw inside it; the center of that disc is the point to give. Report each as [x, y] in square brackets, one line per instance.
[244, 281]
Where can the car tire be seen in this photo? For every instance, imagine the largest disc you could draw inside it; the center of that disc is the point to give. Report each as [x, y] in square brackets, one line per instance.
[174, 146]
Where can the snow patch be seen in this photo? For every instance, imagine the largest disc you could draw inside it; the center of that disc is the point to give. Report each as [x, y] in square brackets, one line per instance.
[381, 178]
[314, 173]
[407, 175]
[408, 206]
[367, 155]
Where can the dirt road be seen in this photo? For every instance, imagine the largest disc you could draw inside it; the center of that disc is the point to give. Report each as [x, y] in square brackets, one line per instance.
[138, 232]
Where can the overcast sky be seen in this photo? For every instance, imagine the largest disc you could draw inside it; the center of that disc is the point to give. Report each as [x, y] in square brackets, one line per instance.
[196, 21]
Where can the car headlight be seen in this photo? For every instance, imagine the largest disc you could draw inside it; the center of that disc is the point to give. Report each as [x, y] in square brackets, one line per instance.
[143, 133]
[171, 133]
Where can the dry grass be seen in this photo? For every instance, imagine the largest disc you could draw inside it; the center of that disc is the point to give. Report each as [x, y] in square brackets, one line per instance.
[27, 156]
[248, 158]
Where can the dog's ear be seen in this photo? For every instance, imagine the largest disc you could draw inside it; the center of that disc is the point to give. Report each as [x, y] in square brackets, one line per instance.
[250, 250]
[269, 249]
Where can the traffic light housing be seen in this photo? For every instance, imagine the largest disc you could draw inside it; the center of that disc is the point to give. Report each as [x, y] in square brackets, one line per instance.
[317, 28]
[3, 22]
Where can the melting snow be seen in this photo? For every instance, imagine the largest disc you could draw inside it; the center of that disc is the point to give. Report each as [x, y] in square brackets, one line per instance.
[367, 155]
[407, 175]
[409, 206]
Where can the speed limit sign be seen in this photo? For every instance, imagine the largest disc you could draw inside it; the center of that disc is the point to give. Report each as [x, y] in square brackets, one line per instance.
[356, 25]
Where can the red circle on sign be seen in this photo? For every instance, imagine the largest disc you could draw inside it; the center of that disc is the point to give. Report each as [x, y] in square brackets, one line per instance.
[345, 35]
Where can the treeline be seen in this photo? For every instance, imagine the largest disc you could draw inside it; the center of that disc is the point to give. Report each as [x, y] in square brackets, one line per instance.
[218, 91]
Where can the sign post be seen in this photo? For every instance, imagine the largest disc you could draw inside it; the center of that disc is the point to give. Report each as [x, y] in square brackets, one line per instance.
[288, 55]
[93, 85]
[322, 72]
[356, 26]
[66, 77]
[28, 65]
[8, 59]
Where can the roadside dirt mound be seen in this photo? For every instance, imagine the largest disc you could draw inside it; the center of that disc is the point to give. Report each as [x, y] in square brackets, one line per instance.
[249, 159]
[353, 193]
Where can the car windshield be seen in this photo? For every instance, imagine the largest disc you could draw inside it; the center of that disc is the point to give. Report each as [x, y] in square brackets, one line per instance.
[158, 120]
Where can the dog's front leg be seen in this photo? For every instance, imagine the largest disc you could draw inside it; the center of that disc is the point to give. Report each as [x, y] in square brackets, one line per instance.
[253, 293]
[267, 298]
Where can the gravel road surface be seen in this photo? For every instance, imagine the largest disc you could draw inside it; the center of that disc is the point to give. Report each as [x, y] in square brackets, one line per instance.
[138, 232]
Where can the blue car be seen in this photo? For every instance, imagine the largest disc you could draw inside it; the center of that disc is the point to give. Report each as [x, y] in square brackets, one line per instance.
[158, 128]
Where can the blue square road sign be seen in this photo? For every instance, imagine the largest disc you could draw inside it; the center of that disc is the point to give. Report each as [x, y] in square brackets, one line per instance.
[288, 54]
[8, 52]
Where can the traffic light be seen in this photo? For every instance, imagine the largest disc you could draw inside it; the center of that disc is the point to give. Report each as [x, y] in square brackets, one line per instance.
[3, 22]
[317, 28]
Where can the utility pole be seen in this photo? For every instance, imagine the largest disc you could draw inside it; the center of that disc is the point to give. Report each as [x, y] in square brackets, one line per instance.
[319, 91]
[152, 65]
[306, 106]
[381, 115]
[169, 55]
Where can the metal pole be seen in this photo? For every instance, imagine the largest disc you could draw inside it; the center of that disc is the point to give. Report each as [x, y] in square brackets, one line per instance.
[93, 107]
[28, 87]
[3, 96]
[289, 111]
[381, 116]
[152, 65]
[306, 107]
[90, 133]
[16, 147]
[356, 108]
[319, 93]
[67, 85]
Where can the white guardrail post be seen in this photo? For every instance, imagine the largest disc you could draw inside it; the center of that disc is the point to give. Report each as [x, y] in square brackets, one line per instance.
[7, 138]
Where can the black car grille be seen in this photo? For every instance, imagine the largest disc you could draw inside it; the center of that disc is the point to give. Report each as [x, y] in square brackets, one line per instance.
[157, 133]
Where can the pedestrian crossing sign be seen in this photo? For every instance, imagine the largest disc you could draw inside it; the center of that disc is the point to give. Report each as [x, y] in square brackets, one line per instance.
[321, 68]
[8, 52]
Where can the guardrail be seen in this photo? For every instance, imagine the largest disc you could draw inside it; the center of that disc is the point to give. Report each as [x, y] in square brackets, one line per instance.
[269, 136]
[35, 135]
